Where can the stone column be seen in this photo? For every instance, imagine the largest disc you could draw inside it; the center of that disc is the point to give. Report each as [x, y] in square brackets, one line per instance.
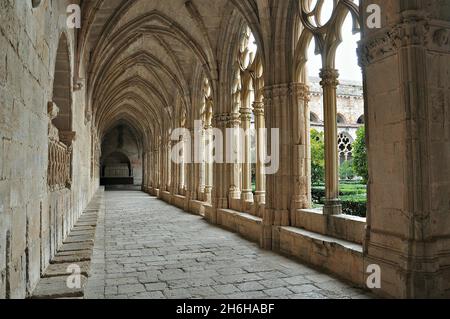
[201, 167]
[174, 173]
[145, 175]
[246, 194]
[190, 187]
[209, 165]
[220, 180]
[158, 167]
[150, 172]
[301, 197]
[279, 184]
[163, 165]
[329, 85]
[182, 169]
[155, 168]
[234, 192]
[258, 111]
[169, 165]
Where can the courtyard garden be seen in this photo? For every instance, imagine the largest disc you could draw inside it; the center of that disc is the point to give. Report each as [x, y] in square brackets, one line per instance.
[353, 175]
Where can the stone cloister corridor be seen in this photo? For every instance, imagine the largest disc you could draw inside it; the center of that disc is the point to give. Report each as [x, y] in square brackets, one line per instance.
[217, 149]
[155, 251]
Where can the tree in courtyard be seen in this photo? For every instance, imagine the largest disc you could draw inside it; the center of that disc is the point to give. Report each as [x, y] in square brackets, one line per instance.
[360, 155]
[317, 158]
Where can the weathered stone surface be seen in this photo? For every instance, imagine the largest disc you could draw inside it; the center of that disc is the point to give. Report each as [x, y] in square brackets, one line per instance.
[61, 269]
[76, 246]
[72, 239]
[56, 287]
[72, 258]
[233, 267]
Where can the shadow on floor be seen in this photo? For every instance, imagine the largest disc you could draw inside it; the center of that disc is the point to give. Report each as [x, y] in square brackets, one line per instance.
[123, 188]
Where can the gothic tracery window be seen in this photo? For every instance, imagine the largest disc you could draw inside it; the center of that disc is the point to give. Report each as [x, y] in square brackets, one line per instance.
[330, 30]
[345, 148]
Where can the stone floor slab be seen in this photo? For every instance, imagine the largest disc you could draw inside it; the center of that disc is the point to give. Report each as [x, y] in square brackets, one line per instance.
[54, 270]
[149, 249]
[56, 287]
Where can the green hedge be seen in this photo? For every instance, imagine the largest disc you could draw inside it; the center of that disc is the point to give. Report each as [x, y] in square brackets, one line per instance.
[354, 205]
[353, 197]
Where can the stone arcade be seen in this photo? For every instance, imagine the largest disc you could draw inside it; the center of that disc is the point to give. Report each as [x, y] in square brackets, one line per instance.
[98, 104]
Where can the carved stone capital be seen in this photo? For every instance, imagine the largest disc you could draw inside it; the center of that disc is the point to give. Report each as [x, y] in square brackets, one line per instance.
[258, 108]
[234, 120]
[246, 114]
[441, 36]
[301, 91]
[413, 30]
[220, 120]
[329, 77]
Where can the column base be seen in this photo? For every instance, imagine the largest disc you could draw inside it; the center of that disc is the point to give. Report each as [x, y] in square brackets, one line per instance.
[260, 197]
[201, 193]
[332, 207]
[207, 194]
[300, 202]
[234, 199]
[234, 194]
[220, 203]
[247, 195]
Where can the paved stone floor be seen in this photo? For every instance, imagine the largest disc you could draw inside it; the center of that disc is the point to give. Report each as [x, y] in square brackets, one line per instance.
[145, 248]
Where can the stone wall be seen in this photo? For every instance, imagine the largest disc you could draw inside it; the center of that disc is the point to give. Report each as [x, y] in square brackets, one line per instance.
[33, 221]
[407, 63]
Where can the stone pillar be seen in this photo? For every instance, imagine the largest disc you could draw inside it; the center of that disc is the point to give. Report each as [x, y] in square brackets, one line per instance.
[301, 197]
[188, 186]
[168, 165]
[150, 170]
[174, 173]
[220, 180]
[182, 169]
[144, 186]
[258, 111]
[155, 168]
[158, 167]
[200, 167]
[234, 193]
[329, 85]
[163, 164]
[279, 185]
[406, 67]
[247, 193]
[209, 165]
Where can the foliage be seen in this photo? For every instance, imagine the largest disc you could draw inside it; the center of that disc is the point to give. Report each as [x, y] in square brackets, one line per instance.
[354, 205]
[317, 158]
[360, 155]
[353, 198]
[346, 170]
[353, 194]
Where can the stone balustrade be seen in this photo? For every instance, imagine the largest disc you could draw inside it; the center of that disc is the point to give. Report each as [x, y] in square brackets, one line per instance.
[59, 156]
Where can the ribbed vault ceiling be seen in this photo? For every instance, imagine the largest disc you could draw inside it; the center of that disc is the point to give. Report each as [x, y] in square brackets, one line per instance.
[142, 57]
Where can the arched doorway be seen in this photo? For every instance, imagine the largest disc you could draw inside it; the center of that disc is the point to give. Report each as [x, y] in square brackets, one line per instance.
[117, 170]
[122, 156]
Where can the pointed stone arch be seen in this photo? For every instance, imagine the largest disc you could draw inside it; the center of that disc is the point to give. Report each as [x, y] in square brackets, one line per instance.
[62, 88]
